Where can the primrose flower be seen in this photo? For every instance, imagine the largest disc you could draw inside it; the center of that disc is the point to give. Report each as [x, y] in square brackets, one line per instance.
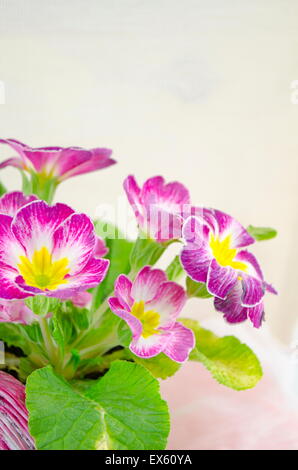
[150, 306]
[213, 254]
[158, 206]
[14, 434]
[57, 163]
[48, 250]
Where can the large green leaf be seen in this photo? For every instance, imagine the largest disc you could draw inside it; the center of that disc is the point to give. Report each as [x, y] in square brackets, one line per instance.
[59, 417]
[261, 233]
[135, 417]
[122, 410]
[231, 362]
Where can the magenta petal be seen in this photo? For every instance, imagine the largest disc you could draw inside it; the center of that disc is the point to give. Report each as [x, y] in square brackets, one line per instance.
[134, 323]
[35, 223]
[16, 162]
[123, 287]
[81, 299]
[10, 248]
[180, 343]
[75, 240]
[196, 263]
[220, 279]
[133, 195]
[168, 302]
[253, 291]
[8, 288]
[147, 283]
[10, 203]
[98, 159]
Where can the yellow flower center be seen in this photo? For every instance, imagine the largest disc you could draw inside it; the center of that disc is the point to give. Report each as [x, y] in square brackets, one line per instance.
[149, 319]
[42, 271]
[224, 254]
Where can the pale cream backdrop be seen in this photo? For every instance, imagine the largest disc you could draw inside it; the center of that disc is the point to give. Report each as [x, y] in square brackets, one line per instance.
[198, 91]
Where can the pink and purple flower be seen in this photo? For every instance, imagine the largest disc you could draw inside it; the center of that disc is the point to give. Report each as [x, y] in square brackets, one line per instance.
[14, 433]
[150, 306]
[214, 254]
[57, 163]
[48, 250]
[158, 207]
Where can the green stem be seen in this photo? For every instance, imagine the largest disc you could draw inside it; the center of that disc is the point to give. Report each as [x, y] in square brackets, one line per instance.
[50, 347]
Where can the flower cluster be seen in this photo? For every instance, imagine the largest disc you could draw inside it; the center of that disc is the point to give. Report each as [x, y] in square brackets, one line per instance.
[79, 306]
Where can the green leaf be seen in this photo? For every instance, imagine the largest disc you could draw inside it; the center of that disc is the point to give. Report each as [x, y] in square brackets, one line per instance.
[15, 334]
[106, 230]
[42, 305]
[197, 289]
[119, 252]
[160, 366]
[261, 233]
[3, 189]
[230, 362]
[122, 410]
[135, 417]
[59, 417]
[174, 271]
[145, 252]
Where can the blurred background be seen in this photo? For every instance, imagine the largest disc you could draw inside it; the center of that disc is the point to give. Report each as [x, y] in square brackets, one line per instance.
[199, 91]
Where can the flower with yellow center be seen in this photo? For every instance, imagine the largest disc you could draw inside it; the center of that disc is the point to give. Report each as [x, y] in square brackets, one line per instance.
[149, 318]
[42, 272]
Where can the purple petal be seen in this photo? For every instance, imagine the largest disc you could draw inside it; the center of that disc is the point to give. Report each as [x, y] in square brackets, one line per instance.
[256, 314]
[253, 291]
[220, 279]
[196, 263]
[270, 288]
[146, 284]
[75, 240]
[81, 299]
[233, 311]
[180, 343]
